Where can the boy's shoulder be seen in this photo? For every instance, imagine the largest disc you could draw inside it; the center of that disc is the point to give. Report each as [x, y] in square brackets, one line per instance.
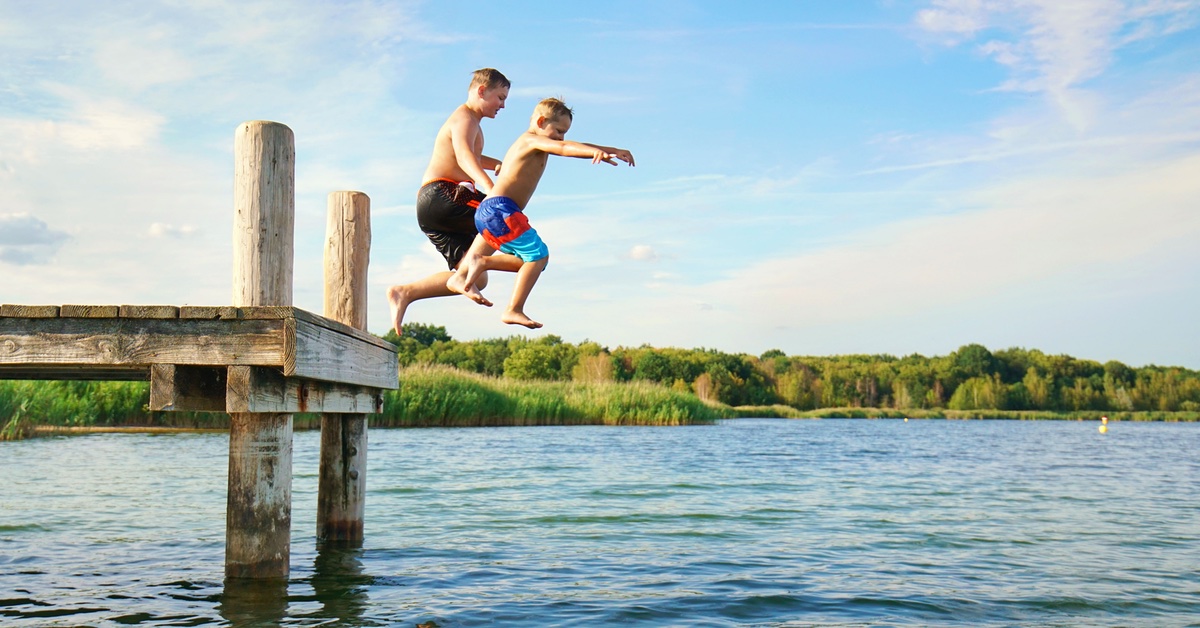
[463, 113]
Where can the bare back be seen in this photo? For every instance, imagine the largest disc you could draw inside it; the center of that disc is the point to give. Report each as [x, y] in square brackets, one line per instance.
[523, 168]
[444, 163]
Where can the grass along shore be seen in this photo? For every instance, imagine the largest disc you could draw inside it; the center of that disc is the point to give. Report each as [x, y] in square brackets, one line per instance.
[788, 412]
[430, 396]
[441, 396]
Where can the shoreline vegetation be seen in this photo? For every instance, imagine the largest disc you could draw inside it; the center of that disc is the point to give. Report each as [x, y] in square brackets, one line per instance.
[545, 381]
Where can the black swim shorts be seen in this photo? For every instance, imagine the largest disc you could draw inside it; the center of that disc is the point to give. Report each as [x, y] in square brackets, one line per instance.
[446, 213]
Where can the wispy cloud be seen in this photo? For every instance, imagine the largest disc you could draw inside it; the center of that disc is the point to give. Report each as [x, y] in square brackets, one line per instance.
[26, 239]
[1054, 46]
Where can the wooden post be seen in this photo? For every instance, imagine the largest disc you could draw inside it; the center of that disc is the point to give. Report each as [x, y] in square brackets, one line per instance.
[259, 505]
[341, 491]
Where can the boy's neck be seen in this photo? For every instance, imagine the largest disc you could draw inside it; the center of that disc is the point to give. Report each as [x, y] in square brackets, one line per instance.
[476, 110]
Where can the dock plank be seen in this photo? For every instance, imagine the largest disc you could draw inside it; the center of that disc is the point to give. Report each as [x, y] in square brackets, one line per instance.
[90, 311]
[28, 311]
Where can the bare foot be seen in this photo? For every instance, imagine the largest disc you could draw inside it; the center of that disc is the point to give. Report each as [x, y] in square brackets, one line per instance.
[457, 283]
[518, 318]
[398, 301]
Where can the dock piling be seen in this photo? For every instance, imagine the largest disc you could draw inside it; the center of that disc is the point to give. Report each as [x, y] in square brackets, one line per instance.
[341, 491]
[259, 504]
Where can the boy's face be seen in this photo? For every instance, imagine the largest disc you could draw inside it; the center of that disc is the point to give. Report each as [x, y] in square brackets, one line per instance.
[493, 100]
[554, 128]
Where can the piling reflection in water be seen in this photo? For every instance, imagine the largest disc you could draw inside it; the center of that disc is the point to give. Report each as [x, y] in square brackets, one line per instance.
[339, 584]
[254, 602]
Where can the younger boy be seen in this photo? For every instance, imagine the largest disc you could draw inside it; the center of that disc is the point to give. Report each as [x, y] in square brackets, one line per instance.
[500, 218]
[455, 183]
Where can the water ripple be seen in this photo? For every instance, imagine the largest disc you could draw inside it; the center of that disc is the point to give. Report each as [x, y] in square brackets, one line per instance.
[771, 523]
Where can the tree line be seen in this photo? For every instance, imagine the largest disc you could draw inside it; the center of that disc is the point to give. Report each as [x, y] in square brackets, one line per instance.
[971, 378]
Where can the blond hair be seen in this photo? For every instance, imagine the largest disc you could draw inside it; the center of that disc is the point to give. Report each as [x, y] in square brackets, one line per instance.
[490, 78]
[552, 109]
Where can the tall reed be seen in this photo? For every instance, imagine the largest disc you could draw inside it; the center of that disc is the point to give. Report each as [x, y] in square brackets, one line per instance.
[432, 395]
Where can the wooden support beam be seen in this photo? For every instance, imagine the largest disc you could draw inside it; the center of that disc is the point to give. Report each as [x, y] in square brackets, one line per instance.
[342, 485]
[187, 388]
[259, 505]
[264, 389]
[264, 213]
[258, 511]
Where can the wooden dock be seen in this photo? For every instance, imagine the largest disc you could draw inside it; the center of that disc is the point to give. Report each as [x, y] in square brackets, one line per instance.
[259, 359]
[204, 359]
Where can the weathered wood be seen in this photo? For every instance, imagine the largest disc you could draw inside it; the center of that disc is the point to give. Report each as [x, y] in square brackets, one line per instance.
[70, 372]
[258, 512]
[258, 528]
[320, 353]
[265, 389]
[342, 483]
[137, 341]
[90, 311]
[341, 489]
[347, 254]
[187, 388]
[341, 328]
[302, 344]
[29, 311]
[264, 213]
[149, 311]
[210, 312]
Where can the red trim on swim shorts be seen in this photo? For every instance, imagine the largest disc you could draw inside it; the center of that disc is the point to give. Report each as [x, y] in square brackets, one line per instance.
[440, 179]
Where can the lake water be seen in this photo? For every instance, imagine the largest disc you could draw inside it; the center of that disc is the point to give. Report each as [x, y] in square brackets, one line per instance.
[748, 522]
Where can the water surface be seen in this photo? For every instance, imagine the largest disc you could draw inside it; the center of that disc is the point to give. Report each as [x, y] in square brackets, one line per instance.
[748, 522]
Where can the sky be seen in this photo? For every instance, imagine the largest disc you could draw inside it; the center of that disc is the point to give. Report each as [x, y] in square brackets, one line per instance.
[822, 178]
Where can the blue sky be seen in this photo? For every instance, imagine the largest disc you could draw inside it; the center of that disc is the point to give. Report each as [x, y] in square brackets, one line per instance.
[818, 177]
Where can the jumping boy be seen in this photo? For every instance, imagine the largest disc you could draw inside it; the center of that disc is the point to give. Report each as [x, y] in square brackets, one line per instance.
[500, 218]
[455, 183]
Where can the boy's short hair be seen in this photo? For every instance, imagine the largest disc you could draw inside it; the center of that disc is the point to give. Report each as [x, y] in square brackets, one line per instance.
[552, 109]
[490, 78]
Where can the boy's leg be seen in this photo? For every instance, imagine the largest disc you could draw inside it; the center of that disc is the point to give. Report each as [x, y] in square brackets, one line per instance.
[464, 280]
[526, 278]
[400, 296]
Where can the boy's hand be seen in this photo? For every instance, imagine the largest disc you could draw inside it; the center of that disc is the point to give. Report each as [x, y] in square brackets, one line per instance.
[621, 154]
[608, 157]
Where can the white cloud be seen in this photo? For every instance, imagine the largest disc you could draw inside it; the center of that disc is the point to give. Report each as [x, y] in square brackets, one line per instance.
[26, 239]
[160, 230]
[138, 66]
[643, 253]
[1030, 231]
[1055, 46]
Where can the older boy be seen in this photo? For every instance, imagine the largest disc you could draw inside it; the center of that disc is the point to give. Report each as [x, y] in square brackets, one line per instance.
[500, 218]
[455, 183]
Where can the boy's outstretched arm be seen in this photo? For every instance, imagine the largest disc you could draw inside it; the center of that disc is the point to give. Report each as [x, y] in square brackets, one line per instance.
[568, 148]
[618, 153]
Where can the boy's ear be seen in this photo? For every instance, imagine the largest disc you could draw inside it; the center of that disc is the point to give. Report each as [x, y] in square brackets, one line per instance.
[541, 122]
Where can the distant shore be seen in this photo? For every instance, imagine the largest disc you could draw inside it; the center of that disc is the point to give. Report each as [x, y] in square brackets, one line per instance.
[442, 396]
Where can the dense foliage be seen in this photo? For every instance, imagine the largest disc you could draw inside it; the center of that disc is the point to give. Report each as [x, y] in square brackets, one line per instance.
[971, 378]
[546, 380]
